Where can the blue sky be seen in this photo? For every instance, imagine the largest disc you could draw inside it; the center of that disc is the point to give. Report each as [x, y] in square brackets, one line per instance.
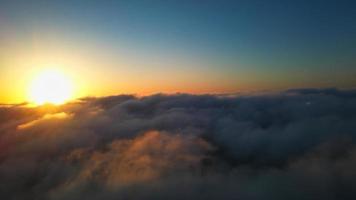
[291, 43]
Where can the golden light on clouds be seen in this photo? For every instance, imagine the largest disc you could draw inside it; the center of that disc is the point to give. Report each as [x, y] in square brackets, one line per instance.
[50, 86]
[45, 118]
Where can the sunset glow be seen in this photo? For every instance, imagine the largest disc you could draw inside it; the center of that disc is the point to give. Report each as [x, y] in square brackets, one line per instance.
[50, 86]
[183, 100]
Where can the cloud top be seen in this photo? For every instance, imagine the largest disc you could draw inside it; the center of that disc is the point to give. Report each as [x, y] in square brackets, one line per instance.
[298, 144]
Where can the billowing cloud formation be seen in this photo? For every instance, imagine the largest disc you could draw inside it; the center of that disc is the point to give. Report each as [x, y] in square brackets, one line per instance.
[299, 144]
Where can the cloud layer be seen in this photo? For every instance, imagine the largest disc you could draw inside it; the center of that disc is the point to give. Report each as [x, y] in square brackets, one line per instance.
[298, 144]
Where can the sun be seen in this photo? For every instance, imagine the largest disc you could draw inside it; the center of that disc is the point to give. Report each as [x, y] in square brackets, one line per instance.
[50, 86]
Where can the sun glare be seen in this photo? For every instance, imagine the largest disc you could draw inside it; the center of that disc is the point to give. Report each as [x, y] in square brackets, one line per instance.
[50, 86]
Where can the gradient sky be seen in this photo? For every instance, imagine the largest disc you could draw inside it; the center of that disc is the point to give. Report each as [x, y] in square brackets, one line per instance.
[143, 47]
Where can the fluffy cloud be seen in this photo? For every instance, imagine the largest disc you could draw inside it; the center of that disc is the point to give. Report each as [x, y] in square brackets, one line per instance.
[298, 144]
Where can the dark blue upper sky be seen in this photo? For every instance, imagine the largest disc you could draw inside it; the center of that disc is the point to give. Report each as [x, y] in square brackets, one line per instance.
[297, 42]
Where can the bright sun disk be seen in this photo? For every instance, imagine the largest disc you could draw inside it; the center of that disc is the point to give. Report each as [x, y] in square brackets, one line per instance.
[50, 86]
